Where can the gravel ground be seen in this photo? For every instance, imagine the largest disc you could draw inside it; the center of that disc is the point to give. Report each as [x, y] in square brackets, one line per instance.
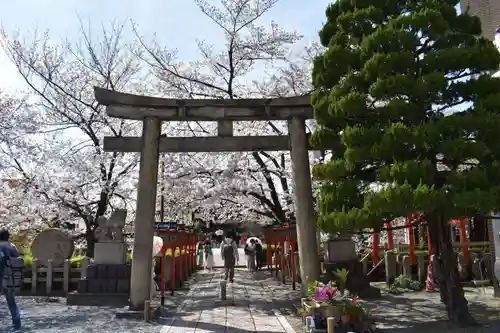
[423, 312]
[416, 312]
[51, 315]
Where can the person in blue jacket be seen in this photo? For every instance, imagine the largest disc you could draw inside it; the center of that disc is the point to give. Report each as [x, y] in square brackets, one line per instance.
[7, 251]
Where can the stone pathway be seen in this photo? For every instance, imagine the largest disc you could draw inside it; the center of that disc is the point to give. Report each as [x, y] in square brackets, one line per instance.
[248, 308]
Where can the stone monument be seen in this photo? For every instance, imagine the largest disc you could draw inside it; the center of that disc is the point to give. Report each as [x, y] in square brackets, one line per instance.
[341, 253]
[107, 280]
[52, 245]
[110, 247]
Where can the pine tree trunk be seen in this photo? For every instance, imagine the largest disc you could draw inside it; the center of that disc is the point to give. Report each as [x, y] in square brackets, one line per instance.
[479, 231]
[89, 236]
[451, 291]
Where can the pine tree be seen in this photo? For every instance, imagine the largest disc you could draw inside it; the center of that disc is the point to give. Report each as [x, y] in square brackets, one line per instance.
[406, 102]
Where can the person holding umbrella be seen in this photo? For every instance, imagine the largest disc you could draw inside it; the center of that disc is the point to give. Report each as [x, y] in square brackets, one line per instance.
[258, 255]
[209, 255]
[250, 254]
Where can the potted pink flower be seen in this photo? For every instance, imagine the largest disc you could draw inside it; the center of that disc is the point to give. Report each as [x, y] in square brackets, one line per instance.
[321, 300]
[324, 293]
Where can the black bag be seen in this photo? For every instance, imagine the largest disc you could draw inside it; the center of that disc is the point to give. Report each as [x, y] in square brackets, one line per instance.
[249, 251]
[12, 271]
[258, 248]
[228, 250]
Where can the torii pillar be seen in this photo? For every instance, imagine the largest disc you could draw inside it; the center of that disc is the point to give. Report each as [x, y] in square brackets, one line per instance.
[142, 260]
[304, 208]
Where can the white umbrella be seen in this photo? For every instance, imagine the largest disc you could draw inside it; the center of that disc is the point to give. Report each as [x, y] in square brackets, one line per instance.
[254, 238]
[219, 232]
[157, 245]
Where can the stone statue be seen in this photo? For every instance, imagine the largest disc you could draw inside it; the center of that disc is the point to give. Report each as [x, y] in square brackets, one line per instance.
[116, 223]
[102, 230]
[111, 230]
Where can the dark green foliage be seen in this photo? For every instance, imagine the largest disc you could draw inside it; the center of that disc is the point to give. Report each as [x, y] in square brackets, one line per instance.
[406, 101]
[406, 283]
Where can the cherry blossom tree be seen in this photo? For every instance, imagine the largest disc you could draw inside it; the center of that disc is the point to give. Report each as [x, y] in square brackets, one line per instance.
[71, 170]
[19, 211]
[255, 185]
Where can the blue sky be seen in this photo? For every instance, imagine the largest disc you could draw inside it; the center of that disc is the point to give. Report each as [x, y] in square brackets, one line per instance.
[177, 23]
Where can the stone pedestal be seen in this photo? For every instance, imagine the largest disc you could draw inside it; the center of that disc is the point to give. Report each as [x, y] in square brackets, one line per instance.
[357, 281]
[110, 253]
[105, 284]
[341, 253]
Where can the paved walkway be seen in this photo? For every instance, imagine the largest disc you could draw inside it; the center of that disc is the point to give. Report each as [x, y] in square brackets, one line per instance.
[249, 307]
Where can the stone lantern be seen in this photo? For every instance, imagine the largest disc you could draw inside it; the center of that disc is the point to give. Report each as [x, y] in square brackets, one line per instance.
[341, 254]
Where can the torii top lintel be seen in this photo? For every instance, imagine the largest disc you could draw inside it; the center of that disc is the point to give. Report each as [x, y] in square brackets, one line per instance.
[138, 107]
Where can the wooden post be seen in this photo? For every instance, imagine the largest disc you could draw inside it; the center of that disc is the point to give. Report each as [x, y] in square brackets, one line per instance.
[34, 275]
[283, 260]
[330, 325]
[275, 257]
[390, 268]
[140, 288]
[375, 248]
[66, 275]
[50, 274]
[429, 244]
[163, 280]
[147, 310]
[172, 270]
[225, 128]
[294, 270]
[83, 267]
[411, 239]
[390, 236]
[181, 278]
[406, 266]
[223, 290]
[304, 208]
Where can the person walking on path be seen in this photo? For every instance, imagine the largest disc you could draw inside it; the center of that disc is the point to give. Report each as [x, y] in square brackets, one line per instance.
[250, 253]
[230, 256]
[8, 252]
[259, 253]
[209, 255]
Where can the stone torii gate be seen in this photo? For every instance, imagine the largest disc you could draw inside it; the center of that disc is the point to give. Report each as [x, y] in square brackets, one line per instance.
[152, 111]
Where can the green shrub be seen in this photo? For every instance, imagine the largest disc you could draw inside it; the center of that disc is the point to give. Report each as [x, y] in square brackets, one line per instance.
[404, 282]
[394, 290]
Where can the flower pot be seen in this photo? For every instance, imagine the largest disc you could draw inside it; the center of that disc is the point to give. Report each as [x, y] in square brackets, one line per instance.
[330, 312]
[345, 319]
[308, 306]
[326, 310]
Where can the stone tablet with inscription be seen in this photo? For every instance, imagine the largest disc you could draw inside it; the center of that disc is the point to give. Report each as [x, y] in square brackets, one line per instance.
[52, 244]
